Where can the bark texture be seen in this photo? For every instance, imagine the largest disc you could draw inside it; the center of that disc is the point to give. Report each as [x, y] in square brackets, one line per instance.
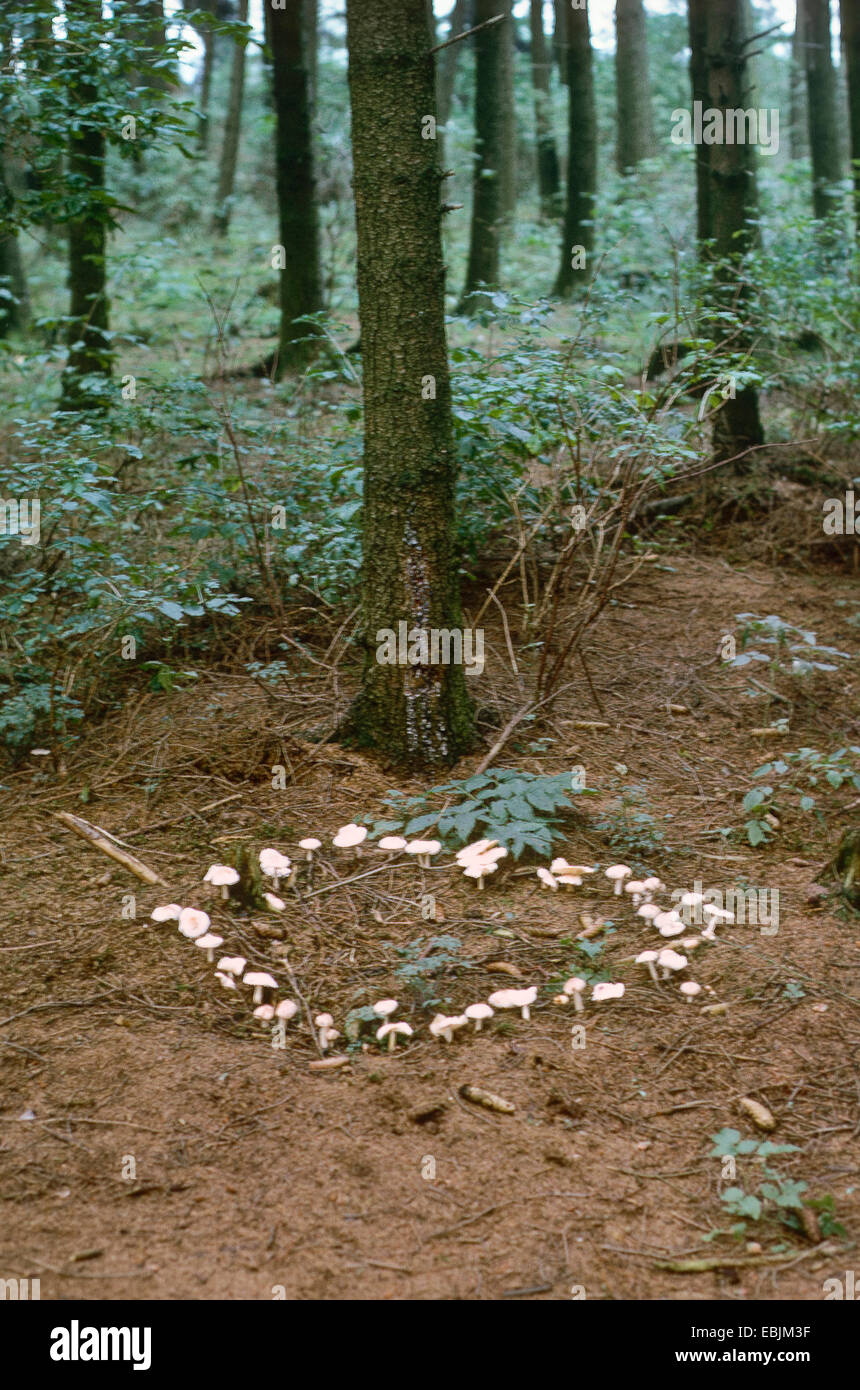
[798, 111]
[289, 42]
[549, 176]
[232, 131]
[850, 15]
[635, 122]
[89, 354]
[420, 715]
[823, 119]
[581, 155]
[484, 239]
[508, 112]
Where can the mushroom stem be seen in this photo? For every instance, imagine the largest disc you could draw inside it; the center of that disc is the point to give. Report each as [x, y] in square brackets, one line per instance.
[651, 971]
[577, 1002]
[225, 892]
[258, 994]
[392, 1040]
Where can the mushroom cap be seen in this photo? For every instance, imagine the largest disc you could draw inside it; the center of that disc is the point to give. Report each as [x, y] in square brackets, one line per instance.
[209, 942]
[168, 913]
[193, 922]
[618, 871]
[471, 851]
[274, 902]
[423, 847]
[310, 843]
[393, 842]
[440, 1024]
[478, 1011]
[689, 943]
[670, 960]
[719, 914]
[287, 1009]
[560, 866]
[383, 1007]
[234, 965]
[692, 899]
[349, 836]
[669, 924]
[505, 999]
[653, 885]
[573, 879]
[649, 911]
[226, 980]
[264, 1012]
[574, 985]
[479, 868]
[259, 978]
[273, 862]
[606, 991]
[547, 877]
[646, 957]
[634, 885]
[220, 874]
[403, 1029]
[323, 1020]
[691, 989]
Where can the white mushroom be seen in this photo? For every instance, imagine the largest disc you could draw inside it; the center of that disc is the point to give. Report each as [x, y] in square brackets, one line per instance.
[221, 876]
[425, 849]
[636, 888]
[286, 1010]
[392, 1031]
[548, 879]
[478, 1013]
[233, 965]
[265, 1013]
[669, 960]
[393, 842]
[602, 992]
[475, 850]
[652, 885]
[226, 980]
[479, 868]
[168, 913]
[260, 979]
[350, 837]
[617, 874]
[209, 943]
[690, 989]
[275, 865]
[573, 989]
[648, 958]
[514, 999]
[274, 902]
[327, 1032]
[193, 922]
[384, 1008]
[442, 1027]
[669, 924]
[310, 847]
[649, 911]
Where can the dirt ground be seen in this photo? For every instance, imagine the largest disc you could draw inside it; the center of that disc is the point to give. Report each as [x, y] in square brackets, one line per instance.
[153, 1143]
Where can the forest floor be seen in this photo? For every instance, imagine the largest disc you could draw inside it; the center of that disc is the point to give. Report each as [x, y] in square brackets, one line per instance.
[153, 1143]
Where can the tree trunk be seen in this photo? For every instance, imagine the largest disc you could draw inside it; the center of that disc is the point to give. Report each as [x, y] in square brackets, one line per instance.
[559, 38]
[419, 714]
[14, 299]
[850, 15]
[798, 111]
[89, 356]
[823, 120]
[288, 38]
[447, 62]
[206, 73]
[635, 123]
[578, 237]
[549, 179]
[731, 203]
[232, 129]
[697, 18]
[508, 168]
[483, 266]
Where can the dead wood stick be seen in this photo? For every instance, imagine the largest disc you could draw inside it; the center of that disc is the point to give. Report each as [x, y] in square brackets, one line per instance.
[732, 1262]
[467, 33]
[97, 839]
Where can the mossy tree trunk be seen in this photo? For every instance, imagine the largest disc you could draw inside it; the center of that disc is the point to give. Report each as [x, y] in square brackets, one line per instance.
[89, 360]
[731, 207]
[482, 271]
[232, 132]
[289, 41]
[549, 177]
[418, 715]
[850, 14]
[822, 113]
[577, 241]
[635, 123]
